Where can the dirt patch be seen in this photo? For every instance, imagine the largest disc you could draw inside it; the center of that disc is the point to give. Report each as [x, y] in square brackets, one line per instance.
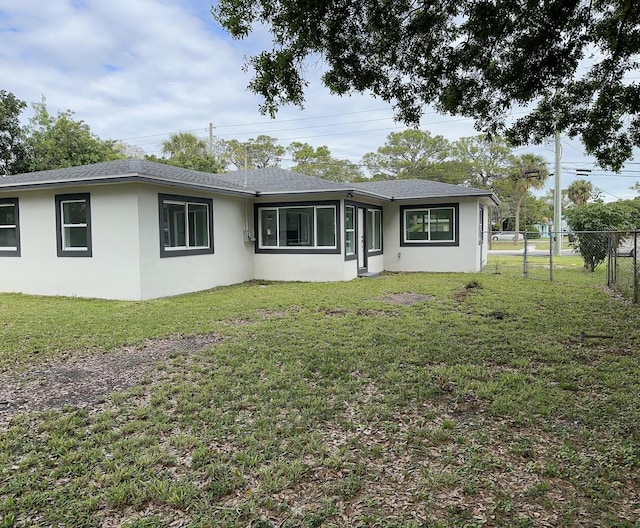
[407, 298]
[88, 381]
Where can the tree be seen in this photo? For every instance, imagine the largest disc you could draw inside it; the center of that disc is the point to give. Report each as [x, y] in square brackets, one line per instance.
[529, 172]
[12, 148]
[257, 153]
[471, 58]
[592, 223]
[485, 159]
[321, 164]
[580, 191]
[60, 141]
[184, 144]
[412, 154]
[129, 151]
[186, 150]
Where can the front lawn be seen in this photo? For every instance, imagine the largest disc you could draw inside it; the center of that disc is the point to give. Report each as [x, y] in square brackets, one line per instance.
[402, 401]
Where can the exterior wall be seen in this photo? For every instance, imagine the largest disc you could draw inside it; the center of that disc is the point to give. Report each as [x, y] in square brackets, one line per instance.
[126, 262]
[113, 270]
[466, 257]
[305, 267]
[375, 264]
[230, 263]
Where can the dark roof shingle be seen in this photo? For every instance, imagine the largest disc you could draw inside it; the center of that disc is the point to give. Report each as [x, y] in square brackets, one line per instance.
[255, 182]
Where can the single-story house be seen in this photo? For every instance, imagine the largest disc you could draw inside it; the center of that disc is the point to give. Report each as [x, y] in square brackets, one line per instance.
[136, 230]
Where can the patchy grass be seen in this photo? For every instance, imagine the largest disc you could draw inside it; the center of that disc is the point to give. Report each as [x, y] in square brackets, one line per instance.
[403, 401]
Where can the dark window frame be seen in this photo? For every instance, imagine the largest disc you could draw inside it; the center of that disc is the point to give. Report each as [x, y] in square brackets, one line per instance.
[374, 252]
[435, 243]
[302, 250]
[164, 252]
[65, 252]
[16, 205]
[354, 255]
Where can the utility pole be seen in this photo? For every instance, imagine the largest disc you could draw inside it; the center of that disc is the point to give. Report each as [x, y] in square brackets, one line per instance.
[557, 199]
[211, 139]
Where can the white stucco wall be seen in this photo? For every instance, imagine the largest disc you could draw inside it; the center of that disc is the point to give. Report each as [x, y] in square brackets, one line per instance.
[231, 262]
[297, 267]
[126, 262]
[466, 257]
[113, 270]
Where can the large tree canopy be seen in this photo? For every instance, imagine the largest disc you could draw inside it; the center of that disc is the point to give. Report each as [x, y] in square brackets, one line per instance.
[259, 153]
[12, 148]
[566, 60]
[320, 163]
[60, 141]
[414, 154]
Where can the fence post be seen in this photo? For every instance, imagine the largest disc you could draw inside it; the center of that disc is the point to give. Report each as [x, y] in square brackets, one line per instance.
[634, 255]
[550, 257]
[525, 271]
[610, 260]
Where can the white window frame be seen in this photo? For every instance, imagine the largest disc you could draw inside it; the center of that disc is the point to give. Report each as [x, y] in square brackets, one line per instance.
[65, 250]
[427, 211]
[374, 230]
[281, 246]
[350, 232]
[185, 202]
[64, 226]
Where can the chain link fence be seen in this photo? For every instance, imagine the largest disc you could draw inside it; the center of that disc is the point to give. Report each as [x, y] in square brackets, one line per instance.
[585, 258]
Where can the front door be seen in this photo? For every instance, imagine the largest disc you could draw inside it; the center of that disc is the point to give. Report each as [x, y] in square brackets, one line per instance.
[362, 239]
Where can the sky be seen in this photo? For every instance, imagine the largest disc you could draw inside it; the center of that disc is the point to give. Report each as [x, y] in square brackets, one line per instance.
[140, 70]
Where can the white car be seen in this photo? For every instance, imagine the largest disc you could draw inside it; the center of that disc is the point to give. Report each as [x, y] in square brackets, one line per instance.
[626, 248]
[504, 235]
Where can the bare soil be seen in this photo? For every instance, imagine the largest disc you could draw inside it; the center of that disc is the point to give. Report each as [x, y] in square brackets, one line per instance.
[88, 381]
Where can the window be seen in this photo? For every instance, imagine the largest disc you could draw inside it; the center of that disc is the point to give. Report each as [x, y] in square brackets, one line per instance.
[436, 225]
[9, 228]
[186, 225]
[73, 223]
[350, 230]
[300, 227]
[374, 230]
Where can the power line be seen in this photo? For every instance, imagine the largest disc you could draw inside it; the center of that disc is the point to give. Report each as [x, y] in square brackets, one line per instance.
[305, 128]
[276, 121]
[307, 118]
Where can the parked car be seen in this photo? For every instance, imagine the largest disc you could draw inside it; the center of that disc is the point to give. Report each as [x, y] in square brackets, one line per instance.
[504, 235]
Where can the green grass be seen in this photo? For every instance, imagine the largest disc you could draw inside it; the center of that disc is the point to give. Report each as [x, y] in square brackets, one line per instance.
[567, 269]
[337, 405]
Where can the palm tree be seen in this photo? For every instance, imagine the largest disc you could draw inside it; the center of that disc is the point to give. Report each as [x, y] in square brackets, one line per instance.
[580, 191]
[184, 144]
[529, 172]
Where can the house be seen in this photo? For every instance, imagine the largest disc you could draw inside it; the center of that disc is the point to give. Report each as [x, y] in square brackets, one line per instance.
[136, 230]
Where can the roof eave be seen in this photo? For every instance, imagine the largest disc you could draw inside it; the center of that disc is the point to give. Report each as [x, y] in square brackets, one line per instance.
[127, 178]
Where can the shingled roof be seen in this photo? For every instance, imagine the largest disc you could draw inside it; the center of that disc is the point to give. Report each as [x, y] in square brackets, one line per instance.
[123, 170]
[274, 180]
[255, 182]
[419, 189]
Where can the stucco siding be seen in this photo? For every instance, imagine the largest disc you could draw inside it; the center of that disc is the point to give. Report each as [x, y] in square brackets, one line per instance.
[127, 263]
[112, 271]
[297, 267]
[464, 257]
[230, 263]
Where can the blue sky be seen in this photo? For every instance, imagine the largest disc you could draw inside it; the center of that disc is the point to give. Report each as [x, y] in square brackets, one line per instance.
[138, 70]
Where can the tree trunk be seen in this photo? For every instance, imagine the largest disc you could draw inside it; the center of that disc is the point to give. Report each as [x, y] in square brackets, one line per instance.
[517, 226]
